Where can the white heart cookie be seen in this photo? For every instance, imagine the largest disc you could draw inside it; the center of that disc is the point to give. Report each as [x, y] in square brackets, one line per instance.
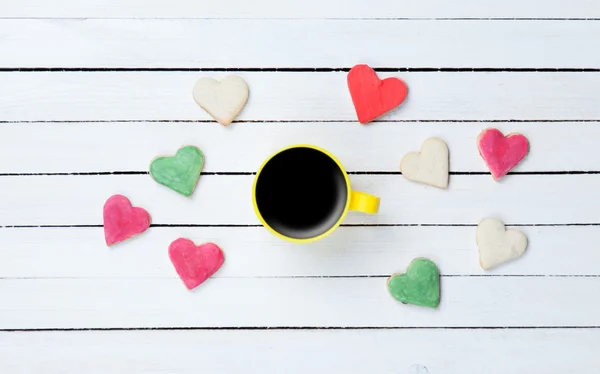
[497, 244]
[222, 100]
[430, 166]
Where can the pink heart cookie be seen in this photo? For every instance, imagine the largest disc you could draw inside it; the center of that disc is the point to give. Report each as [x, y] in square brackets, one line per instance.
[195, 264]
[122, 221]
[501, 153]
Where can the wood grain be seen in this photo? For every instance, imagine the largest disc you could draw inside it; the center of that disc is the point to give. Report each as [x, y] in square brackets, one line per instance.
[82, 147]
[540, 351]
[106, 96]
[254, 252]
[153, 43]
[78, 200]
[298, 9]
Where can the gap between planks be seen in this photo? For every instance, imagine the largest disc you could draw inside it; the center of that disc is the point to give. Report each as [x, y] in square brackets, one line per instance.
[297, 70]
[311, 18]
[574, 224]
[327, 276]
[234, 173]
[274, 328]
[142, 121]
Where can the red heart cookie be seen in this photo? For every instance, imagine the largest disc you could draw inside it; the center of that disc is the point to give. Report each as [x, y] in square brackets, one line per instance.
[501, 153]
[195, 264]
[371, 96]
[122, 221]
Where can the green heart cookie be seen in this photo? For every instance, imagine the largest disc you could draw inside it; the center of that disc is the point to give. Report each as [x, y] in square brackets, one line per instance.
[419, 286]
[180, 172]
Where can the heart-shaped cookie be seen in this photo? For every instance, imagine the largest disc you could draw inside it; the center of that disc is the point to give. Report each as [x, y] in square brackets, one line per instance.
[501, 153]
[122, 221]
[195, 264]
[222, 100]
[497, 244]
[420, 285]
[430, 166]
[371, 96]
[180, 172]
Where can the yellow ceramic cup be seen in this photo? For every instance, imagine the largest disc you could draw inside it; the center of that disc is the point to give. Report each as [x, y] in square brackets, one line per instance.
[302, 193]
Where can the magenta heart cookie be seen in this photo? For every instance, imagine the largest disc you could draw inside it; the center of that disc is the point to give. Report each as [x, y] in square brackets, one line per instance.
[122, 221]
[193, 263]
[501, 153]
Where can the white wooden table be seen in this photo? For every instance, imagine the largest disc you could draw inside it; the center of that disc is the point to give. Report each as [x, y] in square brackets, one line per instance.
[91, 91]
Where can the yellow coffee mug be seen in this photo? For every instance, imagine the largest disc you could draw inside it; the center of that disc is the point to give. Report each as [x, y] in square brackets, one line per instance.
[302, 193]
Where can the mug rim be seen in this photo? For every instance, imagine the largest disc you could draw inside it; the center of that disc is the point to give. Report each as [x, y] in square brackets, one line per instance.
[333, 227]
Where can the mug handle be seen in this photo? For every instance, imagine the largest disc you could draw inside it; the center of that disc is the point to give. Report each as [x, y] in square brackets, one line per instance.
[364, 202]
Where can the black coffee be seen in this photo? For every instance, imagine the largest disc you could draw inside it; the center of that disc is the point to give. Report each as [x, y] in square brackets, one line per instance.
[301, 193]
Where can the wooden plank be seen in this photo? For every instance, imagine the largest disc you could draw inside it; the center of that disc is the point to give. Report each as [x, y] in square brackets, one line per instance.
[253, 252]
[523, 199]
[284, 351]
[154, 43]
[57, 148]
[265, 9]
[297, 96]
[274, 302]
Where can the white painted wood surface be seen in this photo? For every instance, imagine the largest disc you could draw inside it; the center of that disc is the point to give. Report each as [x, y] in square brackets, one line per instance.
[254, 44]
[107, 96]
[125, 98]
[57, 147]
[227, 200]
[299, 352]
[294, 302]
[299, 9]
[351, 251]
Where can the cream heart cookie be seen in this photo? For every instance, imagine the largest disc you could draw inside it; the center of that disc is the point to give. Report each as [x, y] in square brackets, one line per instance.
[430, 166]
[223, 100]
[497, 244]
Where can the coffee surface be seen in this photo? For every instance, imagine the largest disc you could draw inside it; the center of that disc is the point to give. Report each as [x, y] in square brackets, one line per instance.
[301, 193]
